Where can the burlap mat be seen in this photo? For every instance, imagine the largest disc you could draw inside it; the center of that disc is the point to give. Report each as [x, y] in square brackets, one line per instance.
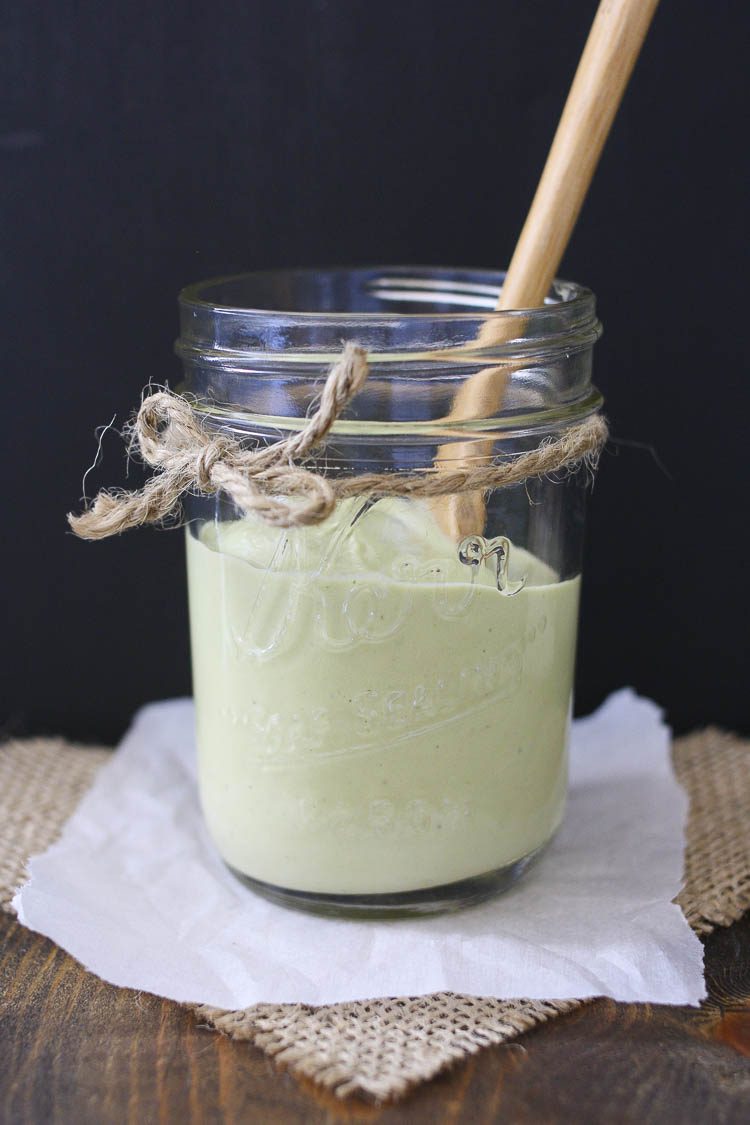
[381, 1048]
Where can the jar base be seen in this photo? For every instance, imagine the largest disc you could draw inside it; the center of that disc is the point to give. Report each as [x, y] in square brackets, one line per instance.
[443, 899]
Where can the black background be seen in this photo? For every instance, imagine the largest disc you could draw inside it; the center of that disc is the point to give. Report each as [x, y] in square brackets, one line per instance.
[144, 145]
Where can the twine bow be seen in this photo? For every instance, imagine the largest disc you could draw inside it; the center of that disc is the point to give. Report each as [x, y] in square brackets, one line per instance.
[267, 481]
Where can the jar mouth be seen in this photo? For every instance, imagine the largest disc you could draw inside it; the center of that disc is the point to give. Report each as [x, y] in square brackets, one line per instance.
[393, 312]
[293, 293]
[256, 346]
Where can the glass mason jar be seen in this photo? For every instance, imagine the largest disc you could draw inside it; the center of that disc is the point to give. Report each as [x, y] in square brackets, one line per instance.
[383, 701]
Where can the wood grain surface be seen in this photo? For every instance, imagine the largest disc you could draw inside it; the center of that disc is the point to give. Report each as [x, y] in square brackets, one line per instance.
[76, 1050]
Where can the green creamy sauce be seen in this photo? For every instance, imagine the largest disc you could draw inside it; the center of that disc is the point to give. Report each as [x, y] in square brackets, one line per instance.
[373, 715]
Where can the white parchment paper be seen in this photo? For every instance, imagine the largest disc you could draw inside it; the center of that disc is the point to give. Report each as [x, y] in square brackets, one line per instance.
[136, 892]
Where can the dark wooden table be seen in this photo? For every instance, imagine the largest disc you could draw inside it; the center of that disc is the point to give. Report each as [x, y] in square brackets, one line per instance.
[75, 1050]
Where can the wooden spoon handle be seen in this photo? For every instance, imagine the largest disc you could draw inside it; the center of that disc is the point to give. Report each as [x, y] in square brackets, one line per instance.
[607, 61]
[606, 64]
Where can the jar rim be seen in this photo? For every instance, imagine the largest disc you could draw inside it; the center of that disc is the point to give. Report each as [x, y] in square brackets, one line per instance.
[455, 287]
[422, 328]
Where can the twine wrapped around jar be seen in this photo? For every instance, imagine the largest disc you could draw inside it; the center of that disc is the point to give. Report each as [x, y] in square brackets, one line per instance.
[269, 481]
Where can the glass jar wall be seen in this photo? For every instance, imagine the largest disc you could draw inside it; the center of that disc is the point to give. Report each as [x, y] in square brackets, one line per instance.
[383, 701]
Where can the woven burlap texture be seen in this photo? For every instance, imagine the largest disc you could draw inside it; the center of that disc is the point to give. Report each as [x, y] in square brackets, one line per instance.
[382, 1048]
[41, 782]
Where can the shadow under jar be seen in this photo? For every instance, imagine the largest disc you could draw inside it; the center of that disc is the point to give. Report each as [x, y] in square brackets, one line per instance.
[383, 702]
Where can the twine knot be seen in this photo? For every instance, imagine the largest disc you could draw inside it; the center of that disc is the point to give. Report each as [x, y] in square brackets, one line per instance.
[187, 458]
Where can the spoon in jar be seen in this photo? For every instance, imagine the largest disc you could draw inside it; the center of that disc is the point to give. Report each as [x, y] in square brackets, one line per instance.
[611, 50]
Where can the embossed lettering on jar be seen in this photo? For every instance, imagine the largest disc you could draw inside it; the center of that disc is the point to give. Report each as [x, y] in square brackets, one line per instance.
[383, 702]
